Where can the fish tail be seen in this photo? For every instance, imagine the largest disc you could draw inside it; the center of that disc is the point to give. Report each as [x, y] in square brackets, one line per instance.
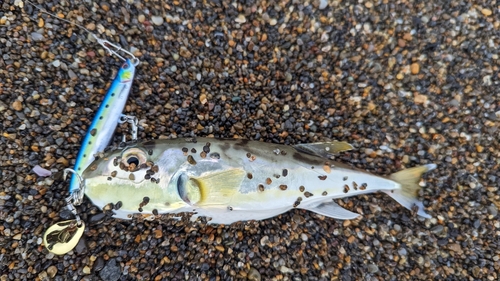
[407, 195]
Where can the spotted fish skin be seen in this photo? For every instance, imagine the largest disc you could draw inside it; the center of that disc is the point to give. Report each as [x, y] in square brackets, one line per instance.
[233, 179]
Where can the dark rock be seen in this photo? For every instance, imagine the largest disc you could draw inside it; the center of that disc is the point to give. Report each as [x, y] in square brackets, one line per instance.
[111, 272]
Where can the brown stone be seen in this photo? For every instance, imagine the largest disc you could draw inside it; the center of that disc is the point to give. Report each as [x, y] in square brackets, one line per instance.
[415, 68]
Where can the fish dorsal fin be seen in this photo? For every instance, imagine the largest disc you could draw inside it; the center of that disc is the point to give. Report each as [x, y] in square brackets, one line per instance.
[323, 149]
[215, 188]
[333, 210]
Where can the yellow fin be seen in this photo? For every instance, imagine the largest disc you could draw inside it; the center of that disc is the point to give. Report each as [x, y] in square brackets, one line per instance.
[217, 188]
[324, 149]
[407, 195]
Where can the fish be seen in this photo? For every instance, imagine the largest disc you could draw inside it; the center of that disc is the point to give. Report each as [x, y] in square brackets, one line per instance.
[230, 180]
[106, 120]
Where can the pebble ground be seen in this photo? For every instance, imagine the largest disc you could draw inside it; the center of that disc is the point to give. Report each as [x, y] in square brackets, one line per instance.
[406, 82]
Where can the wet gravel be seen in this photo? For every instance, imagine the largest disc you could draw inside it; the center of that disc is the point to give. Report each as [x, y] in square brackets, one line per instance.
[405, 82]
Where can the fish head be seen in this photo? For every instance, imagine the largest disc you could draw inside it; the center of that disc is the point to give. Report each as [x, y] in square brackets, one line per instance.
[130, 163]
[135, 177]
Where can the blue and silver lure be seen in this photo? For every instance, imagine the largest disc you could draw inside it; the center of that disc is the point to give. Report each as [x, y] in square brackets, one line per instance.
[100, 132]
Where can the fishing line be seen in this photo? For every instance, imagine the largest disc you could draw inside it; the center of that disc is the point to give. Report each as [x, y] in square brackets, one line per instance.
[104, 43]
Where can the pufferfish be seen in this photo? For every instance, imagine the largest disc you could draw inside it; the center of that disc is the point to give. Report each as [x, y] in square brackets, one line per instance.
[232, 180]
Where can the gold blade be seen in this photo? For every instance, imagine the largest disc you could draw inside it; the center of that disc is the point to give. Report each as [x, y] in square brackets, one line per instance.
[63, 236]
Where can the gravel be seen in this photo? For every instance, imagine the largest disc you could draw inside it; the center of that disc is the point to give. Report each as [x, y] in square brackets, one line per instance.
[406, 83]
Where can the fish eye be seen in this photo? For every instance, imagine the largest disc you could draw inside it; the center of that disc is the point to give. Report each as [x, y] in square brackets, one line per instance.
[133, 159]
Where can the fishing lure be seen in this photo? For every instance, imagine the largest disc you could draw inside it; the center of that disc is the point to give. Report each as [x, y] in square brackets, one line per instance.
[236, 180]
[104, 124]
[63, 236]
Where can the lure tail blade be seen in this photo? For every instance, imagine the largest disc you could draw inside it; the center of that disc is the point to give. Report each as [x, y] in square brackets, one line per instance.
[407, 195]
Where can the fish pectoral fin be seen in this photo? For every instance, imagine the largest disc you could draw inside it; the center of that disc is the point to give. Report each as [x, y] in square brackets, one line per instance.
[323, 149]
[333, 210]
[217, 188]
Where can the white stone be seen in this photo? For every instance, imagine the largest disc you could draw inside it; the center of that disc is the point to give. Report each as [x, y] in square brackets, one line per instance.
[241, 19]
[323, 4]
[157, 20]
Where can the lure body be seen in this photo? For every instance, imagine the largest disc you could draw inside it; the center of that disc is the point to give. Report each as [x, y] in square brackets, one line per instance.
[105, 121]
[234, 180]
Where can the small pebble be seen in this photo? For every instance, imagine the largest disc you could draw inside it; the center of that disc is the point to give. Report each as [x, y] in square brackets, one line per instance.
[487, 12]
[372, 268]
[415, 68]
[52, 271]
[157, 20]
[37, 37]
[253, 275]
[438, 229]
[493, 210]
[285, 270]
[241, 19]
[17, 105]
[98, 264]
[86, 270]
[323, 4]
[111, 272]
[72, 75]
[303, 236]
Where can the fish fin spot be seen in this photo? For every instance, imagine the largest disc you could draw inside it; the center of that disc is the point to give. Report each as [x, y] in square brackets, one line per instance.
[332, 210]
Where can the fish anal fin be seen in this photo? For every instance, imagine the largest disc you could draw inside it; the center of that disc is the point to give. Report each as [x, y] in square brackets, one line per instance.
[333, 210]
[217, 188]
[407, 195]
[324, 149]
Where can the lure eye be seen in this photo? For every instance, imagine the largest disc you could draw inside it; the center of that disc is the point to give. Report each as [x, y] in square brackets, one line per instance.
[133, 159]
